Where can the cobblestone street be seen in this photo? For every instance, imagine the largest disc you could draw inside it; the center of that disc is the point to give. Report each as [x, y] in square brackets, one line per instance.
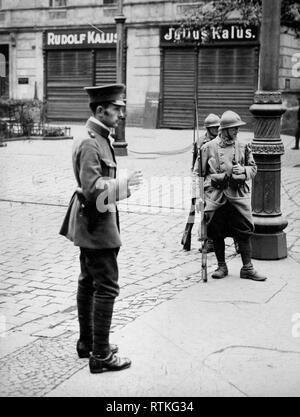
[39, 268]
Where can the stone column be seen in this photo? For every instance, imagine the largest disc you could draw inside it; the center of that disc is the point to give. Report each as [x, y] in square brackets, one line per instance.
[120, 144]
[269, 240]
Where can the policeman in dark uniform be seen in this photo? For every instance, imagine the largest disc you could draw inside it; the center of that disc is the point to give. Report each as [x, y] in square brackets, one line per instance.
[92, 223]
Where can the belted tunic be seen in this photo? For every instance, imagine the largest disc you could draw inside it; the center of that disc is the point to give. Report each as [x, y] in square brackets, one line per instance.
[92, 219]
[217, 157]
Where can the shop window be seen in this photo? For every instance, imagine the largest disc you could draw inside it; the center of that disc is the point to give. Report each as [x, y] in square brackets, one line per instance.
[57, 3]
[2, 65]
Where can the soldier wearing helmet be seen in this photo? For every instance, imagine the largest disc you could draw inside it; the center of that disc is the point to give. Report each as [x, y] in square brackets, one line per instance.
[211, 124]
[228, 167]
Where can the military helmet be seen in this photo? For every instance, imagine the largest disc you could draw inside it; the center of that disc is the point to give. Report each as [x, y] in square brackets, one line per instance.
[230, 119]
[212, 120]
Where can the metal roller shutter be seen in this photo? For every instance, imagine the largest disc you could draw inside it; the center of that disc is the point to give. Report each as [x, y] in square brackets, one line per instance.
[227, 79]
[105, 68]
[178, 88]
[67, 73]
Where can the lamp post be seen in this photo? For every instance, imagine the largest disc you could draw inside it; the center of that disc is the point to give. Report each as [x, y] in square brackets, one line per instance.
[120, 144]
[269, 240]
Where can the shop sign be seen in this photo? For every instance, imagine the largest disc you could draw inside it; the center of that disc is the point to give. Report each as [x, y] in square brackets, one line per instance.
[79, 39]
[229, 33]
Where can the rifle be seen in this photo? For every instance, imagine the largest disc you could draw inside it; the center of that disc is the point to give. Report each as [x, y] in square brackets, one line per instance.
[203, 223]
[187, 234]
[186, 238]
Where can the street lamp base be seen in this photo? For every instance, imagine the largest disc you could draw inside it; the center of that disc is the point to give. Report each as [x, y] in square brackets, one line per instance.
[269, 246]
[120, 148]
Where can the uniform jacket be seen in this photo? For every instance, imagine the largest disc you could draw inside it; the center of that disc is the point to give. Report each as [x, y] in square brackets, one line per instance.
[198, 143]
[218, 158]
[95, 223]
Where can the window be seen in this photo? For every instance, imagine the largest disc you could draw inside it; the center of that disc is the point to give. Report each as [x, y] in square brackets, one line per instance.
[57, 3]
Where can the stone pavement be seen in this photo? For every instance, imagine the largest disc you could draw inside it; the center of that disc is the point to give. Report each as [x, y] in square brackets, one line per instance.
[38, 322]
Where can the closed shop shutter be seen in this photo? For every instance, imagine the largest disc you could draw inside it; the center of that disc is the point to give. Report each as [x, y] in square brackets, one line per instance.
[67, 73]
[105, 68]
[178, 88]
[227, 79]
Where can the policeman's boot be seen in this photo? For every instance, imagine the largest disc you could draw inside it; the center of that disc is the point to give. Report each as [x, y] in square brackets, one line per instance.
[103, 356]
[85, 318]
[111, 362]
[248, 272]
[221, 271]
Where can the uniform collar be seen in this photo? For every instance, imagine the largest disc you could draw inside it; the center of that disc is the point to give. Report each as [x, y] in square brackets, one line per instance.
[98, 127]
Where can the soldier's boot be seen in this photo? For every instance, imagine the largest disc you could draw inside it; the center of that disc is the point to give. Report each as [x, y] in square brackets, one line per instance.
[248, 272]
[221, 271]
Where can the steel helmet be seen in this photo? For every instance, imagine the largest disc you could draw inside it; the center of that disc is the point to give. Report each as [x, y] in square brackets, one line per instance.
[230, 119]
[212, 120]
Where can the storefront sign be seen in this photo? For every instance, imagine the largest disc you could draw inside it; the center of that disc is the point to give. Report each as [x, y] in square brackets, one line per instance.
[232, 33]
[80, 39]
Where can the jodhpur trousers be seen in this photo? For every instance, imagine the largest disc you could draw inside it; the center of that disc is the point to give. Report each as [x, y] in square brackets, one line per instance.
[97, 289]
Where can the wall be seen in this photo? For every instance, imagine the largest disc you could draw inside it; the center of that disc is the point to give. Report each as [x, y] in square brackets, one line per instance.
[289, 78]
[27, 62]
[143, 71]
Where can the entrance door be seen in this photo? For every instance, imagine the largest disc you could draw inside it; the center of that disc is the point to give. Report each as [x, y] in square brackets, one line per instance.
[178, 88]
[4, 71]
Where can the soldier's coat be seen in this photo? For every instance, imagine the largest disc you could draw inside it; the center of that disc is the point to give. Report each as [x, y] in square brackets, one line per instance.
[95, 170]
[218, 158]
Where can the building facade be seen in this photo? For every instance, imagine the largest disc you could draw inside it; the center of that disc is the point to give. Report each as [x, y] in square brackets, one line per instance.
[51, 49]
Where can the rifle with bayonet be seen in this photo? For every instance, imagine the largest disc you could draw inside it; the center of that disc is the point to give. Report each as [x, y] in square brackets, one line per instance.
[197, 169]
[202, 231]
[187, 234]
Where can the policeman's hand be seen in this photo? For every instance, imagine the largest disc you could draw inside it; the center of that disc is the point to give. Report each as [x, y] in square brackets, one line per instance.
[135, 179]
[238, 169]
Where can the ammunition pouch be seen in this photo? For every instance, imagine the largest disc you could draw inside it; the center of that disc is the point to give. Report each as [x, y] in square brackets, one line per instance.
[219, 181]
[237, 180]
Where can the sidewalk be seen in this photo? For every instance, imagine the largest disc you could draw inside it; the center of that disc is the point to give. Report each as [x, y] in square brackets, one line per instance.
[227, 338]
[185, 338]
